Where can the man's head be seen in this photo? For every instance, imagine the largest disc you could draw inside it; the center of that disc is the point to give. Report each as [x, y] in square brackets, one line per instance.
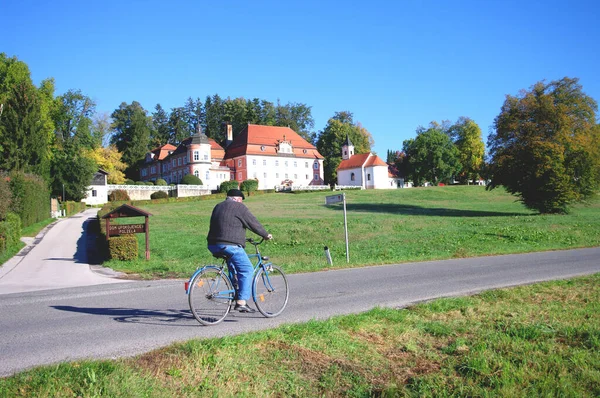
[236, 193]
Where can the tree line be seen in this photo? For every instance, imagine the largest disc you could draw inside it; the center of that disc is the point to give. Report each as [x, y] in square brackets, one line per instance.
[544, 147]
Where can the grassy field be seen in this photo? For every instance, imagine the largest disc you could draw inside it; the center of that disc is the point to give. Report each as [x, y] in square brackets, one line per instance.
[537, 340]
[384, 227]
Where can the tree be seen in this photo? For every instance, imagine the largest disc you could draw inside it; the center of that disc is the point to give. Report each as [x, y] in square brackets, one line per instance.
[101, 130]
[467, 138]
[431, 157]
[213, 110]
[73, 170]
[194, 115]
[109, 160]
[160, 132]
[545, 147]
[331, 139]
[73, 118]
[296, 116]
[190, 179]
[132, 128]
[178, 130]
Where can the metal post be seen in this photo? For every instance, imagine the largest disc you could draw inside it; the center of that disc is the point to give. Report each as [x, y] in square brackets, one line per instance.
[346, 229]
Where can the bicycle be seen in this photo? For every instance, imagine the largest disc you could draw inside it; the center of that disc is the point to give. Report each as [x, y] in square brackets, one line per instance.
[211, 292]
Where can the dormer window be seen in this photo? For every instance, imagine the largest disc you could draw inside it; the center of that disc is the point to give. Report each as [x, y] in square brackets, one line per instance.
[285, 147]
[262, 148]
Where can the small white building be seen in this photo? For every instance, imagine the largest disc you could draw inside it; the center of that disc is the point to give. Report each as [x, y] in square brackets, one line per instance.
[366, 170]
[97, 192]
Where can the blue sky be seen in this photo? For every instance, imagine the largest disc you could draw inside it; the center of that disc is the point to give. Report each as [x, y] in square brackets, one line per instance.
[394, 64]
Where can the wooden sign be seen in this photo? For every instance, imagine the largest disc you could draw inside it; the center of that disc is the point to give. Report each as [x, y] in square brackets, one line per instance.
[122, 229]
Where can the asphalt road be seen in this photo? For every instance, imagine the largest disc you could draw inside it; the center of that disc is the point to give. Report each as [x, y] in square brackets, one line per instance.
[109, 320]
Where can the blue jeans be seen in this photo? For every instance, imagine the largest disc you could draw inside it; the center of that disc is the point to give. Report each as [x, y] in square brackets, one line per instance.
[238, 260]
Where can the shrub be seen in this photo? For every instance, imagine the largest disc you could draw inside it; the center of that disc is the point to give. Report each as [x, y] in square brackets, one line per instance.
[124, 247]
[227, 185]
[159, 195]
[118, 194]
[190, 179]
[139, 183]
[31, 198]
[161, 183]
[73, 207]
[5, 196]
[129, 181]
[10, 231]
[249, 186]
[149, 183]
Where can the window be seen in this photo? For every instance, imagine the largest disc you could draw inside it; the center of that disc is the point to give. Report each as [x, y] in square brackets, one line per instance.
[94, 193]
[178, 161]
[277, 163]
[239, 162]
[306, 164]
[304, 150]
[196, 156]
[262, 148]
[286, 163]
[197, 173]
[307, 176]
[286, 176]
[264, 162]
[265, 175]
[345, 153]
[316, 165]
[295, 164]
[369, 177]
[153, 170]
[174, 163]
[207, 175]
[253, 162]
[352, 177]
[295, 176]
[205, 156]
[276, 175]
[316, 177]
[144, 172]
[240, 176]
[185, 158]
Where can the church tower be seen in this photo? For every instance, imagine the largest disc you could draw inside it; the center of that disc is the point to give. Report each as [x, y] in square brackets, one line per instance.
[347, 149]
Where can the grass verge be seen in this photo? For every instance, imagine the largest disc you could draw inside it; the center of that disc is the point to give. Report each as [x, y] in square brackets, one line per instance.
[537, 340]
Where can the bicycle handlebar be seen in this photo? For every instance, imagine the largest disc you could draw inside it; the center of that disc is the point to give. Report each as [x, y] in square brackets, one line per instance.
[253, 242]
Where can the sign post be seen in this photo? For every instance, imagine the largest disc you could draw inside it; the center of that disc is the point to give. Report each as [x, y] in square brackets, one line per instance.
[122, 229]
[336, 199]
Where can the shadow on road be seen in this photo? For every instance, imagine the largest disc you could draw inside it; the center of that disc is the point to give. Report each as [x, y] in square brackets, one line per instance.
[134, 315]
[87, 247]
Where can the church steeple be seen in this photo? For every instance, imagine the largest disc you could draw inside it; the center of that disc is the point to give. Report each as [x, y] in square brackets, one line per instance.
[347, 149]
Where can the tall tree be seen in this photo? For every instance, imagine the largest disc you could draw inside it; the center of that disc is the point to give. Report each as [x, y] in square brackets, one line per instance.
[101, 129]
[178, 128]
[545, 147]
[109, 160]
[213, 108]
[161, 131]
[296, 116]
[73, 118]
[467, 138]
[132, 129]
[194, 114]
[331, 139]
[431, 157]
[72, 170]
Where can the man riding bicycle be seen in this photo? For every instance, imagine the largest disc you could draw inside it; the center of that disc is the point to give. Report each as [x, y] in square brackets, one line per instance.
[227, 237]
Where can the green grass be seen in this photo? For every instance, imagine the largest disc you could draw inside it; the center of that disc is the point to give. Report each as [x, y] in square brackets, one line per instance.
[29, 231]
[384, 227]
[536, 340]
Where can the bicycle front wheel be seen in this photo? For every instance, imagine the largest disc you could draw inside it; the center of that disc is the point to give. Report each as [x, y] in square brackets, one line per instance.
[211, 295]
[270, 290]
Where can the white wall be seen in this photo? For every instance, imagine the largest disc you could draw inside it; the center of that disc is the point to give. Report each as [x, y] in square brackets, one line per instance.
[271, 170]
[345, 177]
[100, 198]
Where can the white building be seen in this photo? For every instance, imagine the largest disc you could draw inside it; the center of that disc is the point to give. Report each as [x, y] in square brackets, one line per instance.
[97, 192]
[366, 170]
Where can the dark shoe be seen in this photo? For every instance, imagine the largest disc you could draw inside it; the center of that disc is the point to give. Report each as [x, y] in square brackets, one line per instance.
[244, 308]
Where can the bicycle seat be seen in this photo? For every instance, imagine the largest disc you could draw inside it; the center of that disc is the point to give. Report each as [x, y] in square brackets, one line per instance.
[223, 256]
[265, 258]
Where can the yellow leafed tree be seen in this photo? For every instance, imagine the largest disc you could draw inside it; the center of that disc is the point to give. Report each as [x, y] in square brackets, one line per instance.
[109, 160]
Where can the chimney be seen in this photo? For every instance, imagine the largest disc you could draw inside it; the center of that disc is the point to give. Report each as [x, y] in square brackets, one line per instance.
[229, 132]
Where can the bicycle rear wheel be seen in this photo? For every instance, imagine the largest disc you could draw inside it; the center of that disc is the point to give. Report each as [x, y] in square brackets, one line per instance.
[270, 290]
[211, 295]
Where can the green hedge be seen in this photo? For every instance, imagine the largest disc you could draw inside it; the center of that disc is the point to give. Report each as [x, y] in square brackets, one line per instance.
[31, 198]
[118, 194]
[249, 186]
[73, 207]
[159, 195]
[10, 231]
[124, 247]
[227, 185]
[5, 196]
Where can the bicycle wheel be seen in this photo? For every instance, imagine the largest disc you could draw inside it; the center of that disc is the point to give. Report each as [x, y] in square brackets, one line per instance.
[211, 295]
[270, 290]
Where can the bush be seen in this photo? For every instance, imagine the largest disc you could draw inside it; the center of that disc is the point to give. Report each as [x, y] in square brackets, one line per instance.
[129, 181]
[5, 196]
[159, 195]
[227, 185]
[10, 231]
[118, 194]
[31, 198]
[161, 183]
[73, 207]
[124, 247]
[139, 183]
[190, 179]
[149, 183]
[249, 186]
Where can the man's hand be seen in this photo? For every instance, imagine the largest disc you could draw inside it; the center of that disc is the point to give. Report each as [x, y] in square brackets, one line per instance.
[269, 237]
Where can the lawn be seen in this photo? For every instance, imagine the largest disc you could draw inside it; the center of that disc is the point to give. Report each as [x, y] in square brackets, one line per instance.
[384, 227]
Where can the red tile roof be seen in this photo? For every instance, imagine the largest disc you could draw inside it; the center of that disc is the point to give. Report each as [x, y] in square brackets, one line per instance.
[162, 152]
[361, 160]
[263, 140]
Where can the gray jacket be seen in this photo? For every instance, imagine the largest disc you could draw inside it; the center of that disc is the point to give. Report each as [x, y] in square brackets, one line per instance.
[229, 222]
